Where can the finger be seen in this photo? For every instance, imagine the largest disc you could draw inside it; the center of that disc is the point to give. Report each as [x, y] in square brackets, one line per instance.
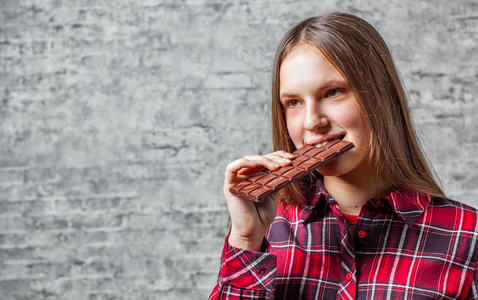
[271, 161]
[249, 171]
[284, 154]
[280, 158]
[251, 164]
[233, 168]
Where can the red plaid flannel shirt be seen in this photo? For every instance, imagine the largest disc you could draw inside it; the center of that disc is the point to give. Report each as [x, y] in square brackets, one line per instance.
[405, 246]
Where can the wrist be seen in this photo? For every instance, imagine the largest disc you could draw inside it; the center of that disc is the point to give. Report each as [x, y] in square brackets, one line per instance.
[246, 243]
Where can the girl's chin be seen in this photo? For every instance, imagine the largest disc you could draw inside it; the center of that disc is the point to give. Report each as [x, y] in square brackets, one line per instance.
[338, 168]
[331, 169]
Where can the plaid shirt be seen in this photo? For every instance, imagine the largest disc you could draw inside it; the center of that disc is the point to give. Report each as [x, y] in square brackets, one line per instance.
[405, 246]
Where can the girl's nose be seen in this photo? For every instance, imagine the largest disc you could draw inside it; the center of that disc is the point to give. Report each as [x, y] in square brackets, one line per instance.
[314, 117]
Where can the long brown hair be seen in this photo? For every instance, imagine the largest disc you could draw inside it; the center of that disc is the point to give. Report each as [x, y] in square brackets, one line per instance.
[360, 54]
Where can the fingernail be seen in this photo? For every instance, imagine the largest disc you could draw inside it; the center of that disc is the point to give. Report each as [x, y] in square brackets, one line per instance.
[289, 155]
[286, 160]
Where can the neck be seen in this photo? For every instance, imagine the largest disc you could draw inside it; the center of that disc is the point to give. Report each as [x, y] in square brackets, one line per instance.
[352, 194]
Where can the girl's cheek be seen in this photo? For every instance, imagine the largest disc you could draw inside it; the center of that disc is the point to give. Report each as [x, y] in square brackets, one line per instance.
[352, 118]
[294, 130]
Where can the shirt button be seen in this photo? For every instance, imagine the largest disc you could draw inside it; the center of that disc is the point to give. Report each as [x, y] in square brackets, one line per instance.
[349, 276]
[379, 203]
[263, 271]
[362, 234]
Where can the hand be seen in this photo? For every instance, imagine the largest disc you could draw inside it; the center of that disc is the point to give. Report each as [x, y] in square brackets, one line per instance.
[250, 219]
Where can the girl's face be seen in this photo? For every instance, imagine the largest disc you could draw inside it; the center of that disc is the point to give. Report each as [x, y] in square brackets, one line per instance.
[319, 107]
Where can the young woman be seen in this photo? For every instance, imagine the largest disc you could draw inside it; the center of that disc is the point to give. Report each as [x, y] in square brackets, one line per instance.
[372, 224]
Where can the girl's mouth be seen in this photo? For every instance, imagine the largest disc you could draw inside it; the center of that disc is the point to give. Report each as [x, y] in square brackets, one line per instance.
[325, 142]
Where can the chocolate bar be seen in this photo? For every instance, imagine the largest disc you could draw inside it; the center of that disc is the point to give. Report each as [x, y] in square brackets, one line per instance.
[306, 160]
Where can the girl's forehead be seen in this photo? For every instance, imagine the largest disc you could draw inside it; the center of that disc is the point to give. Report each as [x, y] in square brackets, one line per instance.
[302, 47]
[313, 50]
[308, 62]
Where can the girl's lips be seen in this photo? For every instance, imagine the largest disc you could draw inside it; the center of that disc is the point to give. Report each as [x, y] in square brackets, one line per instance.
[325, 139]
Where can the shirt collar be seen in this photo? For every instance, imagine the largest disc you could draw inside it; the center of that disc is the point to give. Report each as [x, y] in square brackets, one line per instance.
[407, 205]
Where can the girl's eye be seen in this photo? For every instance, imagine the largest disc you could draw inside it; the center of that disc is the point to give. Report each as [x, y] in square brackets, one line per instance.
[334, 93]
[293, 103]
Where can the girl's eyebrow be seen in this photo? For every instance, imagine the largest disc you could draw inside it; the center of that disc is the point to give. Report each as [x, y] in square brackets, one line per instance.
[286, 95]
[334, 82]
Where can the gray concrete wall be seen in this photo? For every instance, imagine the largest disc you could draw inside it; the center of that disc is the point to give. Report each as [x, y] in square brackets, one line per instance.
[117, 119]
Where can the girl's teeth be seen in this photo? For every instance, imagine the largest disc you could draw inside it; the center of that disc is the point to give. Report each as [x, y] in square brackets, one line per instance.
[321, 144]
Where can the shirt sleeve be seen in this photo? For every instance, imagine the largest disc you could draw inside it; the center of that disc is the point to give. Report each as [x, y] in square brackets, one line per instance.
[245, 274]
[473, 293]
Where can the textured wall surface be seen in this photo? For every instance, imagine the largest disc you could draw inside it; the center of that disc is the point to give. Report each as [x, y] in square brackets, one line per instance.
[118, 117]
